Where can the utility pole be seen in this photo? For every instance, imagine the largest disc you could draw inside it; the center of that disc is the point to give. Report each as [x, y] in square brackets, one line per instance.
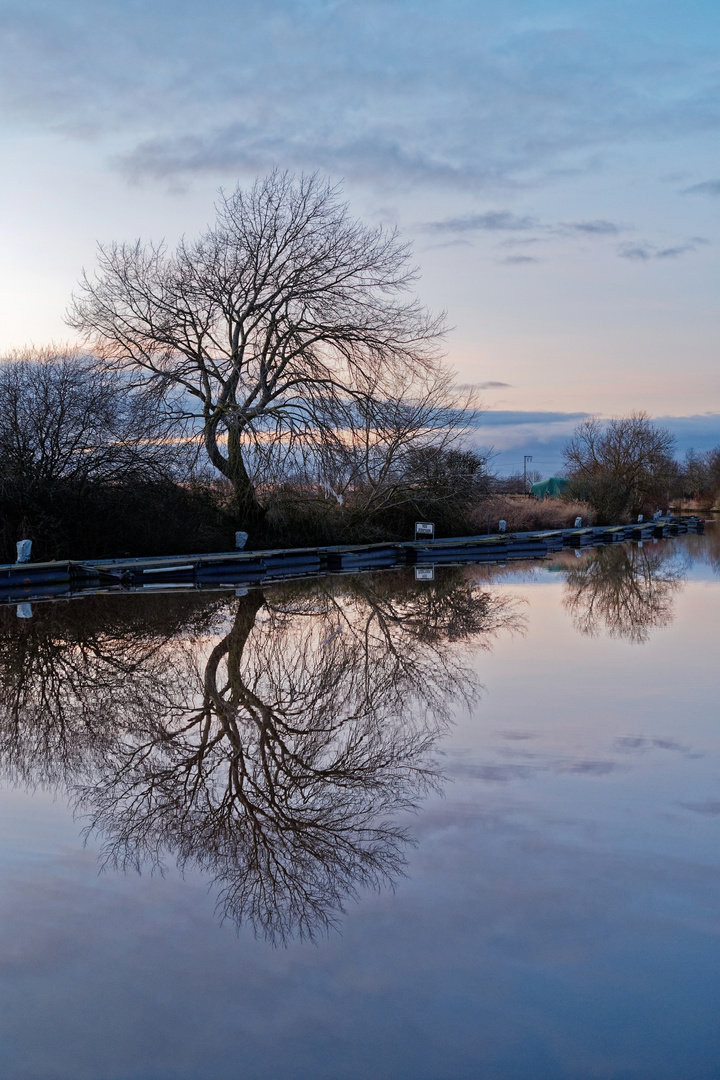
[526, 458]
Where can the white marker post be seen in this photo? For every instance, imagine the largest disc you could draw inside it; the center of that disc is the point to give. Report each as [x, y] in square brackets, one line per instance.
[24, 548]
[502, 526]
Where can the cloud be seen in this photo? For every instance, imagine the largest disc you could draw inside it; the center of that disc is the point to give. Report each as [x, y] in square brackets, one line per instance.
[641, 252]
[507, 221]
[494, 98]
[491, 384]
[518, 260]
[250, 148]
[491, 221]
[518, 417]
[644, 252]
[598, 227]
[674, 252]
[707, 187]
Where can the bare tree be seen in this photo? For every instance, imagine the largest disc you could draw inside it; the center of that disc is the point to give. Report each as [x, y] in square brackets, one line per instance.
[65, 420]
[624, 465]
[276, 322]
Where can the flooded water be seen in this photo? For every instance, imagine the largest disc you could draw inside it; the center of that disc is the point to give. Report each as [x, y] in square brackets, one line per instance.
[368, 827]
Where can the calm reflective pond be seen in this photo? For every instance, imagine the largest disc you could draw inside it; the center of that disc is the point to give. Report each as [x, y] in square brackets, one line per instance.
[368, 827]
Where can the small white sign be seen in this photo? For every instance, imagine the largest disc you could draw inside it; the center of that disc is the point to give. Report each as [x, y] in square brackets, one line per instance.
[424, 573]
[424, 530]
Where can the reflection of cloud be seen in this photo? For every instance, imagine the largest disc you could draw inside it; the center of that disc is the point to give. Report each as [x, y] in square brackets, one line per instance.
[628, 743]
[506, 771]
[509, 944]
[587, 768]
[711, 808]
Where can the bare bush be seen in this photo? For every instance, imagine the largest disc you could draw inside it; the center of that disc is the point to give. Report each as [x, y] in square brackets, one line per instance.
[623, 466]
[64, 419]
[700, 477]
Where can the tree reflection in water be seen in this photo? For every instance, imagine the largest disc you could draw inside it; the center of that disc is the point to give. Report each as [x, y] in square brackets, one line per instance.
[272, 741]
[627, 589]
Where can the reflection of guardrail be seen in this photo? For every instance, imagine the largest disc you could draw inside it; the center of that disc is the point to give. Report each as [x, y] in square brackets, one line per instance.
[36, 581]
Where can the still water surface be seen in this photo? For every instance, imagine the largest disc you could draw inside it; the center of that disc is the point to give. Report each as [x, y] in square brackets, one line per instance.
[384, 828]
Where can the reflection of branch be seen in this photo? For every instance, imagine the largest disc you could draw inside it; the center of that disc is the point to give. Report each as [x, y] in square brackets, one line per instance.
[276, 755]
[72, 676]
[628, 590]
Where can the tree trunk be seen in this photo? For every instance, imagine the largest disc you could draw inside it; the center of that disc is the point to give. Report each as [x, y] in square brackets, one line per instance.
[232, 467]
[248, 508]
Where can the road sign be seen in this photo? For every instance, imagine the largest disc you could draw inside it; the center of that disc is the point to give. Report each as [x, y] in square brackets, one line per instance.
[424, 530]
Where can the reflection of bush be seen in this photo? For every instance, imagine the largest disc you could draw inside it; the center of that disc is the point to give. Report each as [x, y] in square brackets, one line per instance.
[705, 548]
[271, 741]
[626, 589]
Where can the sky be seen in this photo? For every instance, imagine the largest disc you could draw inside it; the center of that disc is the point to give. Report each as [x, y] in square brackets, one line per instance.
[555, 165]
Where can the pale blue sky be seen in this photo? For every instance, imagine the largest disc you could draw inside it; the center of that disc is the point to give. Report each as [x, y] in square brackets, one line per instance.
[556, 165]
